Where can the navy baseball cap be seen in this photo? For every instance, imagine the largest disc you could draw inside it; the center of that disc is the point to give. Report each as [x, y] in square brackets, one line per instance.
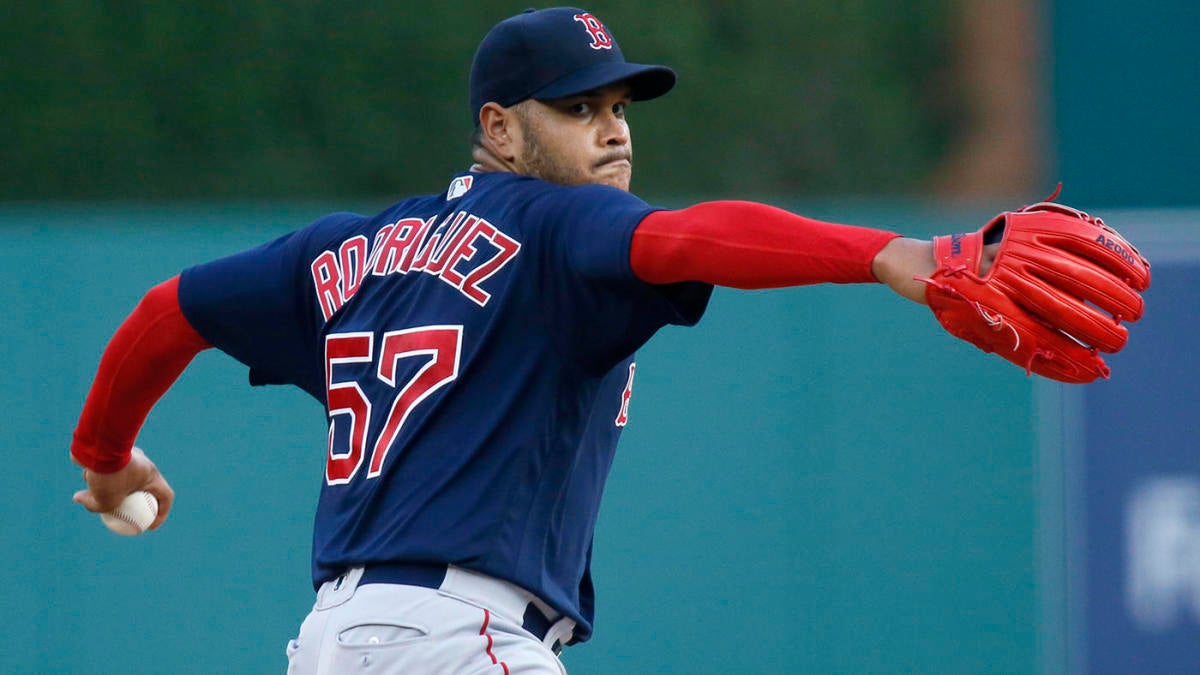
[551, 53]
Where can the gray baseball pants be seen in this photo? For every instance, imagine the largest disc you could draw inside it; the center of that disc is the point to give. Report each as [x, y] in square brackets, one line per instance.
[471, 624]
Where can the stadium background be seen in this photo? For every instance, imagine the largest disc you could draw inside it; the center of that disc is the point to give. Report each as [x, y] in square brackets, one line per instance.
[813, 480]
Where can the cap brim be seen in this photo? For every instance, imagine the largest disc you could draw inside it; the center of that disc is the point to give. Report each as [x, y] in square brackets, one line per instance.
[645, 82]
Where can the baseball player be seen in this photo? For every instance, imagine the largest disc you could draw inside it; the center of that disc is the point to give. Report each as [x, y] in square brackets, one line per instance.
[474, 354]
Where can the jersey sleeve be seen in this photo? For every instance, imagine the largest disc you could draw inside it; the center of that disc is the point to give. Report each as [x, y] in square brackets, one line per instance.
[259, 305]
[591, 233]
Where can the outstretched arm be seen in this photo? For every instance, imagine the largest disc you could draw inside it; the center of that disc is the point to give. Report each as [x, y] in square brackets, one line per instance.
[902, 259]
[750, 245]
[144, 358]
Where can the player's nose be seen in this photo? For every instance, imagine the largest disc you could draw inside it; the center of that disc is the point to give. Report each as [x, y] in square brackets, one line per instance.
[614, 131]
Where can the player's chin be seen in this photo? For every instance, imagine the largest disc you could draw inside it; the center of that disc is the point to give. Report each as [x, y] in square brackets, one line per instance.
[616, 174]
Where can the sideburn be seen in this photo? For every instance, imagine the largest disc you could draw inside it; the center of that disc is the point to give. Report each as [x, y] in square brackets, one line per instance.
[535, 160]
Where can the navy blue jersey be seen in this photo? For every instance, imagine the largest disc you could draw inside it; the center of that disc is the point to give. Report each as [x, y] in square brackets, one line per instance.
[474, 354]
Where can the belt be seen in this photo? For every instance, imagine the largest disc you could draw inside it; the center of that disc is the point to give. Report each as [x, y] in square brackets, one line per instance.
[548, 625]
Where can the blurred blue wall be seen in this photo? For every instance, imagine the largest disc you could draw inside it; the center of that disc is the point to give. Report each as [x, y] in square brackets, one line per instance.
[813, 480]
[1119, 488]
[1126, 88]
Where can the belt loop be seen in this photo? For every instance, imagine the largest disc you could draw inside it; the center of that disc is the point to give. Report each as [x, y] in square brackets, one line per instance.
[502, 597]
[559, 634]
[338, 590]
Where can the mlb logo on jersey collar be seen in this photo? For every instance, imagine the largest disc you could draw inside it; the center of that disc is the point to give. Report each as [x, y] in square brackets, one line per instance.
[459, 187]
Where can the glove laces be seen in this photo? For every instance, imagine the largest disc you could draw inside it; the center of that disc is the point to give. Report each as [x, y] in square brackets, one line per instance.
[996, 322]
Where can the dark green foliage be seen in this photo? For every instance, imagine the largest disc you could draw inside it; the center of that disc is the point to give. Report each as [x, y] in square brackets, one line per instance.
[193, 99]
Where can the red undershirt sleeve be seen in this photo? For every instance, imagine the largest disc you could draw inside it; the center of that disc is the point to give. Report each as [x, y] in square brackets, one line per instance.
[736, 244]
[750, 245]
[144, 358]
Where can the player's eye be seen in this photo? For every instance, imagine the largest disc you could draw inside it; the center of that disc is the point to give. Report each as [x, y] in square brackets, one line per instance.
[580, 109]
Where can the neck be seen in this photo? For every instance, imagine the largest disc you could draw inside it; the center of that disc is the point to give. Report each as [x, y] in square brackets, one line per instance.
[484, 161]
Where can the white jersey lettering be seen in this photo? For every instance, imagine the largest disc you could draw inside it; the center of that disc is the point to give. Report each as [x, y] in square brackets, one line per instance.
[464, 250]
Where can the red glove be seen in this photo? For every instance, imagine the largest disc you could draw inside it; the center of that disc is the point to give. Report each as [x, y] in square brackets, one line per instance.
[1056, 295]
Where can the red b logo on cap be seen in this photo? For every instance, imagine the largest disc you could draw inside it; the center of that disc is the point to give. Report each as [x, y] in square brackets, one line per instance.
[600, 36]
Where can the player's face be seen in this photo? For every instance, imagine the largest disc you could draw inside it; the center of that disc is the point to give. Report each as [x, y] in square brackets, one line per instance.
[579, 139]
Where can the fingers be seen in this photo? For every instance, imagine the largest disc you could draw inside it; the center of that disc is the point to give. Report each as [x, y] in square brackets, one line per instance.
[987, 258]
[100, 499]
[87, 500]
[162, 492]
[105, 491]
[166, 498]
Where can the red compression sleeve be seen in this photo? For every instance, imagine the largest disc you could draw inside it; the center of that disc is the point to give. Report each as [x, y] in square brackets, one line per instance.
[144, 358]
[750, 245]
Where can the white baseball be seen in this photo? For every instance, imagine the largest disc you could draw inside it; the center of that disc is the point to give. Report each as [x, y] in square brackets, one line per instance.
[134, 515]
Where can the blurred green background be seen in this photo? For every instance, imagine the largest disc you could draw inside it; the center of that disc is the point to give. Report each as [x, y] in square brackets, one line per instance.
[256, 99]
[814, 480]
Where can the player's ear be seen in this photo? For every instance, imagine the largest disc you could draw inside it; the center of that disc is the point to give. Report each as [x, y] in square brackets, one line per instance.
[501, 131]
